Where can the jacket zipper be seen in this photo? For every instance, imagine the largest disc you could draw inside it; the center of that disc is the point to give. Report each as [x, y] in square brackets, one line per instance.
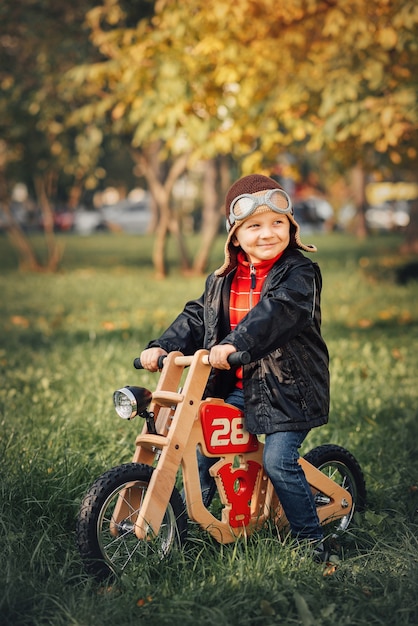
[253, 282]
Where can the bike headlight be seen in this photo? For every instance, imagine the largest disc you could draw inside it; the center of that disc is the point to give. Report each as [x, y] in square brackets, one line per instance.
[131, 401]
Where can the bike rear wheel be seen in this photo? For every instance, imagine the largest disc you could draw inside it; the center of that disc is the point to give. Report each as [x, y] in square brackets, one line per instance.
[340, 465]
[108, 548]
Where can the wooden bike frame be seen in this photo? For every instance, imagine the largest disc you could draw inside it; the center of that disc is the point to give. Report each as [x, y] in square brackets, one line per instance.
[185, 423]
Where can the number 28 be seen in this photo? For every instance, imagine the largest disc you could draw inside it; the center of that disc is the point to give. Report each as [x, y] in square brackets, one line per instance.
[228, 432]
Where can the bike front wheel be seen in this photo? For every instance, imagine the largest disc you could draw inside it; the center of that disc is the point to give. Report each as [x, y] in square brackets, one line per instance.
[108, 546]
[340, 465]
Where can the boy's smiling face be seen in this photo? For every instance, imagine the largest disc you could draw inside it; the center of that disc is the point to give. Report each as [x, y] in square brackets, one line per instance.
[263, 236]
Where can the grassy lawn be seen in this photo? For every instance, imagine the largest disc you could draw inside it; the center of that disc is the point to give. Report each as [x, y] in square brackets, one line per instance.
[68, 340]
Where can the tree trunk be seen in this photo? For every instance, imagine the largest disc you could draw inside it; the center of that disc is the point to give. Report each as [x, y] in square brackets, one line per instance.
[152, 160]
[55, 251]
[177, 168]
[210, 217]
[28, 260]
[161, 193]
[177, 232]
[358, 186]
[159, 260]
[410, 244]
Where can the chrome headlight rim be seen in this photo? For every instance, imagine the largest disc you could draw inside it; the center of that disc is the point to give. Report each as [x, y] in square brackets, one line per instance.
[132, 403]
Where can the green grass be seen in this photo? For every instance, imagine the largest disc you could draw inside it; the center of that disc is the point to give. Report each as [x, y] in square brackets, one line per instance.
[68, 340]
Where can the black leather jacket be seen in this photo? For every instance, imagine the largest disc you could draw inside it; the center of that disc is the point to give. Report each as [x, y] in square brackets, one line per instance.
[286, 384]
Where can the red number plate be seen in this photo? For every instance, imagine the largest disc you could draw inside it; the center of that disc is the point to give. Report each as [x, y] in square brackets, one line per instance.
[223, 430]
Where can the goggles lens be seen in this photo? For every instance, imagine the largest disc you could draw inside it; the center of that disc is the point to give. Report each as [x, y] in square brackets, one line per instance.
[243, 206]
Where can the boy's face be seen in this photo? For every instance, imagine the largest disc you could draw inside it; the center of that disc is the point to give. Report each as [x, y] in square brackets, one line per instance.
[263, 236]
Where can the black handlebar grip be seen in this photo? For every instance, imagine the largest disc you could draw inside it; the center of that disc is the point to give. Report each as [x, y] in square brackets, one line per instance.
[239, 358]
[138, 364]
[161, 361]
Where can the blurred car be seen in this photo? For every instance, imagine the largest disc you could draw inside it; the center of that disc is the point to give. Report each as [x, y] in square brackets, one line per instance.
[388, 216]
[130, 216]
[313, 214]
[389, 204]
[87, 222]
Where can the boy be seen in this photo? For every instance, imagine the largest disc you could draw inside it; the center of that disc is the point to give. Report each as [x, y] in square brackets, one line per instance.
[265, 299]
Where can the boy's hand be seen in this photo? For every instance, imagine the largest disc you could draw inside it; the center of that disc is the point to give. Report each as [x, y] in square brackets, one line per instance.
[149, 358]
[218, 356]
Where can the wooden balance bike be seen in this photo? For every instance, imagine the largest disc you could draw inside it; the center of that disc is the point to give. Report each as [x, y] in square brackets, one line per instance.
[135, 511]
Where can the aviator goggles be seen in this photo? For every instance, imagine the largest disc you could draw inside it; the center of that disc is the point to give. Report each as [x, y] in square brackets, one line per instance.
[246, 204]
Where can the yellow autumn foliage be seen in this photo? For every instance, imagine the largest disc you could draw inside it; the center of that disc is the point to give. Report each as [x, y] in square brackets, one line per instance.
[312, 72]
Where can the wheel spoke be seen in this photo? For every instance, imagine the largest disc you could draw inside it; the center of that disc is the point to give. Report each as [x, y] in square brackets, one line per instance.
[120, 550]
[341, 475]
[106, 524]
[339, 465]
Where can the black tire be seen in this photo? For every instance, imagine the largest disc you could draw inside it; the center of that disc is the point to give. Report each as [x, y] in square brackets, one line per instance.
[340, 465]
[105, 554]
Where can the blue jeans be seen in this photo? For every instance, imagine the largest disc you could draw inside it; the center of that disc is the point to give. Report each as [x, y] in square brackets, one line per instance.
[280, 459]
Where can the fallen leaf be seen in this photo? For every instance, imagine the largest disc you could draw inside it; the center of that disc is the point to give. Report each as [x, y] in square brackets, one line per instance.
[330, 569]
[364, 323]
[108, 325]
[19, 320]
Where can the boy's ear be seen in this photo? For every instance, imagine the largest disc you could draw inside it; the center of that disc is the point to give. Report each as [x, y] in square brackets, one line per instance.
[234, 241]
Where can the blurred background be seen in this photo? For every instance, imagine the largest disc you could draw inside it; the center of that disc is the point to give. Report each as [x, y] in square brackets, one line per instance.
[136, 117]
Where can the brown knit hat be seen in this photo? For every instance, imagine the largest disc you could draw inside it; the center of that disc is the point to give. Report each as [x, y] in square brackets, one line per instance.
[252, 184]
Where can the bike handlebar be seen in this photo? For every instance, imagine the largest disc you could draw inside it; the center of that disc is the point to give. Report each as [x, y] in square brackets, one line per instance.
[235, 358]
[239, 358]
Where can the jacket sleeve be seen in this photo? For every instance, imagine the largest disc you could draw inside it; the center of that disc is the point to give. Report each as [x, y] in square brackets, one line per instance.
[289, 303]
[187, 332]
